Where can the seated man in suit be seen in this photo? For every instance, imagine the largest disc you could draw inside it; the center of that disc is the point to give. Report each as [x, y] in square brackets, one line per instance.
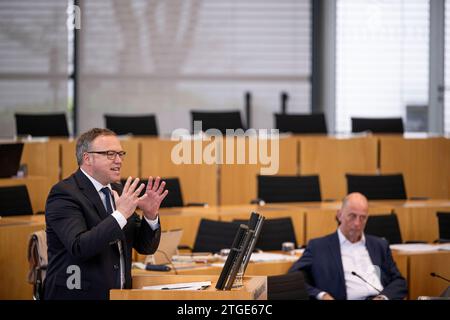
[91, 224]
[349, 264]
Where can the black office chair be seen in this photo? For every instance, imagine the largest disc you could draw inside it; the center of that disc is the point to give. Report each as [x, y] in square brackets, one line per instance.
[273, 233]
[384, 226]
[15, 201]
[42, 125]
[138, 125]
[377, 187]
[289, 188]
[301, 123]
[213, 236]
[175, 197]
[444, 226]
[218, 120]
[378, 125]
[289, 286]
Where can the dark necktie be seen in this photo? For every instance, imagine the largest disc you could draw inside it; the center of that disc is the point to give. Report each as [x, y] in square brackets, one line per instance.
[107, 192]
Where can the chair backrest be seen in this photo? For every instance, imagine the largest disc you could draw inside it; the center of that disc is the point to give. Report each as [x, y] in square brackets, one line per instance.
[174, 198]
[444, 226]
[301, 123]
[273, 233]
[378, 125]
[10, 156]
[384, 226]
[289, 286]
[42, 125]
[377, 187]
[15, 201]
[218, 120]
[37, 260]
[138, 125]
[289, 188]
[213, 236]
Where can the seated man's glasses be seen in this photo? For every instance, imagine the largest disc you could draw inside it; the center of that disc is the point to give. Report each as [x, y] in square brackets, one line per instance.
[110, 154]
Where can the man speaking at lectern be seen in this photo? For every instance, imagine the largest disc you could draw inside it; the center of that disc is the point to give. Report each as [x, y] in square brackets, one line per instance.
[349, 264]
[91, 223]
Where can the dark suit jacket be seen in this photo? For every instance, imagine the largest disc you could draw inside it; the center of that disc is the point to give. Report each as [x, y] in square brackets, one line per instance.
[322, 265]
[81, 233]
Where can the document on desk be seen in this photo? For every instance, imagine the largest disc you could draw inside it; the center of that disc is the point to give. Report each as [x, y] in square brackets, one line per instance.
[200, 285]
[444, 247]
[267, 257]
[415, 247]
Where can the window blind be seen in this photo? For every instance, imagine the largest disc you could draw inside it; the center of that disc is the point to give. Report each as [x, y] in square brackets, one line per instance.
[381, 58]
[169, 57]
[33, 59]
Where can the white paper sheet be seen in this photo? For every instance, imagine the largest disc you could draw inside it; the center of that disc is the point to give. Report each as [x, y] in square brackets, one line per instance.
[181, 286]
[415, 247]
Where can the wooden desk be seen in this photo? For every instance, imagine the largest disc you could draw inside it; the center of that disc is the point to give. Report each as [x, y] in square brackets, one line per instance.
[331, 158]
[269, 211]
[35, 218]
[425, 164]
[188, 219]
[255, 288]
[198, 181]
[320, 217]
[318, 220]
[272, 268]
[14, 235]
[414, 267]
[38, 189]
[420, 265]
[42, 159]
[238, 181]
[417, 218]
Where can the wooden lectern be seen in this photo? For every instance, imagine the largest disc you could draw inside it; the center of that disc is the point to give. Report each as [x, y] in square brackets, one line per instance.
[254, 288]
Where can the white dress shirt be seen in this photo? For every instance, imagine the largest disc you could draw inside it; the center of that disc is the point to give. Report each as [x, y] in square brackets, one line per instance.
[154, 224]
[355, 258]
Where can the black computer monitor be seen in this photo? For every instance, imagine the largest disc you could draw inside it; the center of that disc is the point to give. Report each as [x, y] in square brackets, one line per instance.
[240, 252]
[10, 155]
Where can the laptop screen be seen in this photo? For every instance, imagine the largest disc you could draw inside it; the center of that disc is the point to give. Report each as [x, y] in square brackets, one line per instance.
[168, 246]
[10, 155]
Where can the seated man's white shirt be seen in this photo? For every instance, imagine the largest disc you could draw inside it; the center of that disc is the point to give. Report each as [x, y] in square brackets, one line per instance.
[154, 224]
[355, 257]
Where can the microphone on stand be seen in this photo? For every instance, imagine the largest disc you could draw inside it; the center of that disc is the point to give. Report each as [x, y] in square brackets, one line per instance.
[446, 293]
[439, 276]
[357, 275]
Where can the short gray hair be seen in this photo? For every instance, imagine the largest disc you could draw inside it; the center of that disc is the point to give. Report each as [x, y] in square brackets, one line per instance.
[85, 140]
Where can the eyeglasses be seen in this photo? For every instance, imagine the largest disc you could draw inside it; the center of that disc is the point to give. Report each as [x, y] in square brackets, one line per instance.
[110, 154]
